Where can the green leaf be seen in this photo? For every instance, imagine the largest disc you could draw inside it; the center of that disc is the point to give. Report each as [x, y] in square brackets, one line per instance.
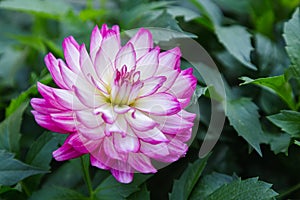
[142, 194]
[279, 142]
[45, 8]
[10, 62]
[243, 116]
[250, 189]
[57, 193]
[187, 14]
[292, 39]
[110, 188]
[288, 121]
[70, 172]
[271, 57]
[13, 171]
[33, 41]
[90, 14]
[208, 184]
[237, 40]
[275, 84]
[40, 152]
[210, 10]
[18, 101]
[10, 130]
[130, 17]
[183, 187]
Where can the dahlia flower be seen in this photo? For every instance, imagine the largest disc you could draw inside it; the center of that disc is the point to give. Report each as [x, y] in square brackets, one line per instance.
[123, 105]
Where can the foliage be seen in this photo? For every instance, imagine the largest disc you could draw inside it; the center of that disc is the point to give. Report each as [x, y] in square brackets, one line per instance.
[256, 46]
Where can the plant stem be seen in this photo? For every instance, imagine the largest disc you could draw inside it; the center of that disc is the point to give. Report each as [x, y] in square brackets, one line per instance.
[289, 191]
[86, 175]
[25, 189]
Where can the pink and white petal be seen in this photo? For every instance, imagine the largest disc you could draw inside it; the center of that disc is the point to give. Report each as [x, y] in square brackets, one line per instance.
[185, 135]
[86, 64]
[153, 136]
[46, 122]
[88, 118]
[67, 99]
[96, 40]
[111, 44]
[187, 115]
[71, 52]
[71, 79]
[133, 94]
[171, 76]
[42, 106]
[156, 151]
[47, 93]
[97, 163]
[129, 143]
[64, 120]
[91, 98]
[141, 163]
[103, 30]
[107, 113]
[102, 157]
[126, 56]
[119, 126]
[185, 85]
[122, 109]
[142, 42]
[140, 121]
[151, 85]
[52, 65]
[148, 64]
[66, 152]
[79, 143]
[121, 176]
[170, 58]
[92, 133]
[116, 29]
[174, 123]
[158, 104]
[111, 150]
[104, 66]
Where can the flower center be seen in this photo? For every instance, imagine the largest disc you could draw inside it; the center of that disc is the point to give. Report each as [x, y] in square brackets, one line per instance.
[125, 86]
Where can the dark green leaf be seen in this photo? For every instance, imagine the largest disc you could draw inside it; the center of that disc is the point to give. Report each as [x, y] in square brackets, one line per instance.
[250, 189]
[70, 172]
[10, 62]
[208, 184]
[272, 58]
[279, 142]
[276, 84]
[210, 10]
[183, 187]
[57, 193]
[40, 153]
[142, 194]
[110, 188]
[288, 121]
[243, 116]
[10, 130]
[13, 171]
[292, 39]
[17, 102]
[237, 41]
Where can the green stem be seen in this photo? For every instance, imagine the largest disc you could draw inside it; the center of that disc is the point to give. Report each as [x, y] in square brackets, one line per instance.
[289, 191]
[25, 189]
[86, 175]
